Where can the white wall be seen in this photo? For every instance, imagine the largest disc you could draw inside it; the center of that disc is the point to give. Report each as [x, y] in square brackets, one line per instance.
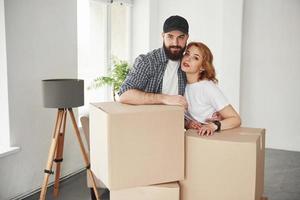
[41, 43]
[270, 92]
[216, 23]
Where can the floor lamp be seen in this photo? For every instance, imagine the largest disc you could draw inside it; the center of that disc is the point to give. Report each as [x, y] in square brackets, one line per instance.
[63, 94]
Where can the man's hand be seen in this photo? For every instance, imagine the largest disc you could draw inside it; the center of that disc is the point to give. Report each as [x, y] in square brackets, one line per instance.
[191, 124]
[175, 100]
[137, 97]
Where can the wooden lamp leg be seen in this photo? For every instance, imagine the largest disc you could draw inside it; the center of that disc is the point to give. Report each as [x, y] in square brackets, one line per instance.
[84, 154]
[59, 154]
[53, 146]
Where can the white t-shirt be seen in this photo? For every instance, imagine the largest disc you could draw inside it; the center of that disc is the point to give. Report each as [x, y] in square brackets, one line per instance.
[204, 98]
[170, 80]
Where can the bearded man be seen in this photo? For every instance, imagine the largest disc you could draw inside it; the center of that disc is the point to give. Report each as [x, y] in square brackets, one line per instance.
[156, 78]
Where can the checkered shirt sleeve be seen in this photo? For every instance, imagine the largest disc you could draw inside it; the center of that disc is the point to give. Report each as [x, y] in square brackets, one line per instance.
[138, 76]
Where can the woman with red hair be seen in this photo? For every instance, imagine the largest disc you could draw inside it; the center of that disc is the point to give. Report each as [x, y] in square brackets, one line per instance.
[203, 95]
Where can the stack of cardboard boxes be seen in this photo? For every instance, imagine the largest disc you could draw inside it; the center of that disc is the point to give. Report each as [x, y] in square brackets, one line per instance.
[143, 153]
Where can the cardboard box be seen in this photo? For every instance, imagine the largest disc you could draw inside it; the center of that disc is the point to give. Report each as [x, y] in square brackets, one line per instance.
[228, 165]
[134, 146]
[169, 191]
[86, 130]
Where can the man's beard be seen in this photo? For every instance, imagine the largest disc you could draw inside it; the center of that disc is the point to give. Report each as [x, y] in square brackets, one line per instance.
[173, 56]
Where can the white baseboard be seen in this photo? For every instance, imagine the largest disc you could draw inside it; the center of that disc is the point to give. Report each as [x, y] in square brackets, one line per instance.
[34, 191]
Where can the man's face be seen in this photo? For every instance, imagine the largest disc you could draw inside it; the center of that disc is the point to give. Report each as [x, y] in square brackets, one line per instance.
[174, 44]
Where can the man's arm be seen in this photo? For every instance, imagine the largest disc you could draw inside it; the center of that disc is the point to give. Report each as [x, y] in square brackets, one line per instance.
[139, 97]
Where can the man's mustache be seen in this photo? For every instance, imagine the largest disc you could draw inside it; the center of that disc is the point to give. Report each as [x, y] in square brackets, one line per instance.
[177, 47]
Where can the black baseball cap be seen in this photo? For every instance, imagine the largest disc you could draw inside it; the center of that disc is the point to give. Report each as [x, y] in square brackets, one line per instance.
[176, 23]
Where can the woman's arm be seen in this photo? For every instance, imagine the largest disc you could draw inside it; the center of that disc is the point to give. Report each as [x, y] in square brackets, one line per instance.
[230, 119]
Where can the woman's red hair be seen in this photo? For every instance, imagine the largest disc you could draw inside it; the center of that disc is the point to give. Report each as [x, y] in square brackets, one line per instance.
[209, 72]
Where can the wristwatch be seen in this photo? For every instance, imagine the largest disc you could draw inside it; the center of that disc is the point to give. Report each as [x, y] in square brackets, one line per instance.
[218, 124]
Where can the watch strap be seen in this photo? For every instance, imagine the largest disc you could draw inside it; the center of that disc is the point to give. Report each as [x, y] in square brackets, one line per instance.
[218, 124]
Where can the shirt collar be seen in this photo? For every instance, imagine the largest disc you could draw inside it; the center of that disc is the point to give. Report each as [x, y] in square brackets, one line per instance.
[164, 56]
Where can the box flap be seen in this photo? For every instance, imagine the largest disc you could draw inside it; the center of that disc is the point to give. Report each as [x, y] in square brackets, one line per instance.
[232, 135]
[120, 108]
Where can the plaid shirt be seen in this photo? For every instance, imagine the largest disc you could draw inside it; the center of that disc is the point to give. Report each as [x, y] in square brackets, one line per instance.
[147, 74]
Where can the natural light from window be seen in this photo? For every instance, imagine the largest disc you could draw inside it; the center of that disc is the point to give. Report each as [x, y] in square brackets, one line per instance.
[103, 34]
[4, 114]
[4, 123]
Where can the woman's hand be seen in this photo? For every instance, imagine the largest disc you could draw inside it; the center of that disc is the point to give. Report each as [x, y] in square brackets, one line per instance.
[215, 117]
[207, 129]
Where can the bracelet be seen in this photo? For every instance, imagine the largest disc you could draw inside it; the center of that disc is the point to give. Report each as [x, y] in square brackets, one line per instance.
[218, 124]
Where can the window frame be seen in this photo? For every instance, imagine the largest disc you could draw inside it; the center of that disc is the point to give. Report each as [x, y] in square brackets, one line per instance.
[5, 146]
[106, 93]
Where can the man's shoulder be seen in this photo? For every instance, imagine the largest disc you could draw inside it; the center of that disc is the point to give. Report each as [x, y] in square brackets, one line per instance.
[155, 52]
[154, 56]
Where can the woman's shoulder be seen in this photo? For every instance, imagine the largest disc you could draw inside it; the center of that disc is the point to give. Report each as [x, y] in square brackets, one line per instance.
[207, 84]
[209, 87]
[202, 84]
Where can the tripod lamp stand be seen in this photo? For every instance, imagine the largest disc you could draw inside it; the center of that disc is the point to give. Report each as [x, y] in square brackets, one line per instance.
[64, 95]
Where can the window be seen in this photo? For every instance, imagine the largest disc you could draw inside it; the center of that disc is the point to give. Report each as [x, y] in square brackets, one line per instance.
[120, 31]
[4, 114]
[103, 33]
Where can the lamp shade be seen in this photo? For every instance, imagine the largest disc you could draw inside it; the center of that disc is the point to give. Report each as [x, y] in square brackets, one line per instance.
[63, 93]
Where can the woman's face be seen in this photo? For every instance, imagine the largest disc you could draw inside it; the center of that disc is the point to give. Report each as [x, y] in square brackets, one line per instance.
[192, 61]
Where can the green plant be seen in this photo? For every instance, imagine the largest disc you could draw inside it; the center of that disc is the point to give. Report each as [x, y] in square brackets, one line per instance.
[115, 78]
